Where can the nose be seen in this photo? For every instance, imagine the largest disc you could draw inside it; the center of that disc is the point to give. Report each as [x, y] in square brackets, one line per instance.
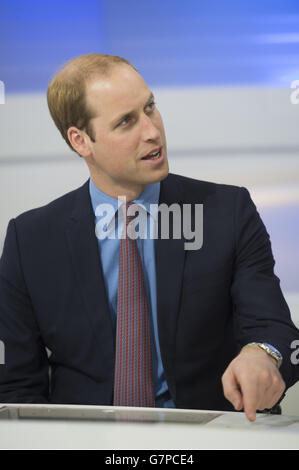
[150, 131]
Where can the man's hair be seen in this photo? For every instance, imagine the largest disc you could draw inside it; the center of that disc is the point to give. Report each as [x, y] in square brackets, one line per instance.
[66, 93]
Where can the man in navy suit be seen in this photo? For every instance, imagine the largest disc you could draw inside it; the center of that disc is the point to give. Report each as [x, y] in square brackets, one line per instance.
[221, 330]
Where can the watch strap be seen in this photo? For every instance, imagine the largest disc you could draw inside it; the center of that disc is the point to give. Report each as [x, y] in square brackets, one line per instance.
[270, 350]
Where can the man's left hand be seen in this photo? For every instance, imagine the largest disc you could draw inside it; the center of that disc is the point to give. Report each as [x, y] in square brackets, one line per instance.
[252, 381]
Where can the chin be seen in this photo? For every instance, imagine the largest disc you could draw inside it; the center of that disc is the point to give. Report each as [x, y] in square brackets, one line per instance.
[161, 174]
[164, 173]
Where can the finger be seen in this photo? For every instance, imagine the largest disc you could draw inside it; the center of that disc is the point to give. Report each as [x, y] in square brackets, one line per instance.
[231, 390]
[252, 398]
[257, 398]
[250, 411]
[260, 393]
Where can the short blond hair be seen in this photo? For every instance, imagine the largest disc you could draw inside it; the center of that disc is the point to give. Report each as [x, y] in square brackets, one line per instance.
[66, 93]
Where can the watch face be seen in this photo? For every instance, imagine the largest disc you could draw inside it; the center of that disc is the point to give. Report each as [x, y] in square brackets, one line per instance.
[273, 349]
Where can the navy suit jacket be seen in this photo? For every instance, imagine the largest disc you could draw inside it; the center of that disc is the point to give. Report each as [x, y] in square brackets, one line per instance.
[210, 301]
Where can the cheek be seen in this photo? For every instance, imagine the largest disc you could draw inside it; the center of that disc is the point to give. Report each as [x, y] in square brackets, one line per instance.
[126, 146]
[158, 121]
[119, 154]
[119, 150]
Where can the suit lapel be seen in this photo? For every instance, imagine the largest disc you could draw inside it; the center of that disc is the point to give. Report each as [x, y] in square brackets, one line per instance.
[170, 256]
[83, 245]
[170, 261]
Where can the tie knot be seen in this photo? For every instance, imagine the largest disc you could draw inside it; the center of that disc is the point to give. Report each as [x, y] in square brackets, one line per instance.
[130, 211]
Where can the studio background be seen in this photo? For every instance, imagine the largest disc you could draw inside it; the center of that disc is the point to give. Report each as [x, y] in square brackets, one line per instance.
[222, 73]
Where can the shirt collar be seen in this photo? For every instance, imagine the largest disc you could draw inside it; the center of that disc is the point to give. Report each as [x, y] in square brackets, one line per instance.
[149, 196]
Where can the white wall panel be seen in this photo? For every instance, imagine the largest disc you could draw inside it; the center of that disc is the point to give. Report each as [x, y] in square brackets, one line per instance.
[197, 120]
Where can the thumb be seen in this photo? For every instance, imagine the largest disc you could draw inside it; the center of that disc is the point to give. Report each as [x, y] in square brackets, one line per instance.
[231, 389]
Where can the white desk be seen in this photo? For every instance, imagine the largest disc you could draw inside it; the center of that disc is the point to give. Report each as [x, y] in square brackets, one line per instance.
[100, 427]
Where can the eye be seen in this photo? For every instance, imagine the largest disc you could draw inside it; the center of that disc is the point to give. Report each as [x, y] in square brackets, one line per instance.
[125, 121]
[151, 106]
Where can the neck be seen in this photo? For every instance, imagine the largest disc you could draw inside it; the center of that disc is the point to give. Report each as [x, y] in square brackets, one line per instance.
[130, 193]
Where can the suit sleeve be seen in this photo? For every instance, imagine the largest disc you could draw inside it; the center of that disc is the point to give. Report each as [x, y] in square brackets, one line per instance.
[261, 312]
[24, 376]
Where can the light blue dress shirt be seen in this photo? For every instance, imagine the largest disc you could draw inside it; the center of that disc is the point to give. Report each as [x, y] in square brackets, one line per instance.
[109, 253]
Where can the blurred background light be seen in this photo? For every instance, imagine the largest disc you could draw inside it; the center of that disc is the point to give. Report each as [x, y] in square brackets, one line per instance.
[173, 43]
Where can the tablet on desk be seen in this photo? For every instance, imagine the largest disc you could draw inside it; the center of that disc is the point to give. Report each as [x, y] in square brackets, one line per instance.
[103, 413]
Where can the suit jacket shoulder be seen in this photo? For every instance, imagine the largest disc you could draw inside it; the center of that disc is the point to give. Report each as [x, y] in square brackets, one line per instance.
[58, 208]
[177, 188]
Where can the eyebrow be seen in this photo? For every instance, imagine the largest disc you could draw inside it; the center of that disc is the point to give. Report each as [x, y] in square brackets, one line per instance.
[129, 113]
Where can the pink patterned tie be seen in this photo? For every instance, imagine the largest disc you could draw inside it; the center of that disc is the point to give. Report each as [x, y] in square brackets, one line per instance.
[133, 381]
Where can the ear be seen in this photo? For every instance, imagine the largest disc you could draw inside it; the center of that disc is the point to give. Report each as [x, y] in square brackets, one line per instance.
[79, 141]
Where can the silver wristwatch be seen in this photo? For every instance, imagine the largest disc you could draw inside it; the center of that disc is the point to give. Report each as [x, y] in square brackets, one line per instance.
[273, 352]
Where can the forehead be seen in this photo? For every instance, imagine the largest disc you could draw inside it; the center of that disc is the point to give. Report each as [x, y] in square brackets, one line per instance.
[122, 89]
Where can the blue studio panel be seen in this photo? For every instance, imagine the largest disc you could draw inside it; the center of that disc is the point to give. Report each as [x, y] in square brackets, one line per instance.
[172, 43]
[37, 36]
[208, 42]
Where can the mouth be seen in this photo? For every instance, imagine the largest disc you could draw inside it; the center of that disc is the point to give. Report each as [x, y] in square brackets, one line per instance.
[154, 155]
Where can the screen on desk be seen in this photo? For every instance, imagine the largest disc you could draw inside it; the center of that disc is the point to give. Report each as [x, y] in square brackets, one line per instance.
[105, 414]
